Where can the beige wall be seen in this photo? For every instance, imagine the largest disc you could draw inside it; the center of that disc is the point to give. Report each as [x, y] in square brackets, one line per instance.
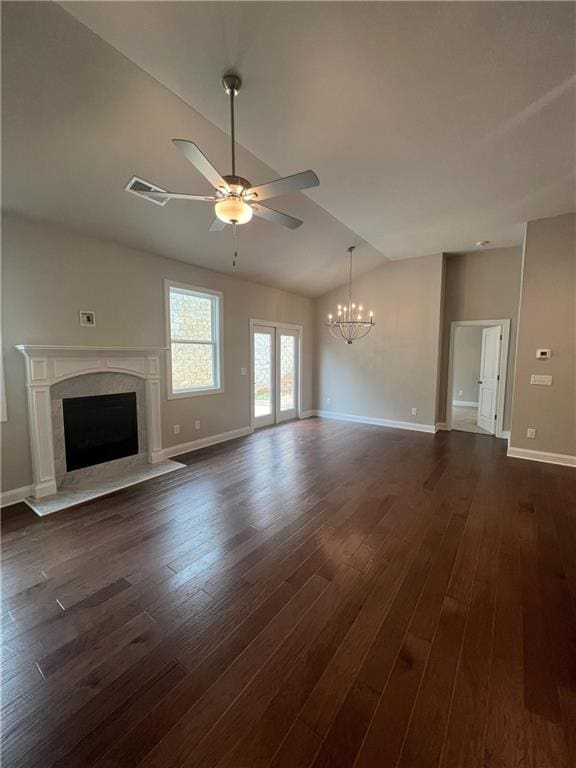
[483, 285]
[466, 371]
[49, 274]
[547, 320]
[394, 368]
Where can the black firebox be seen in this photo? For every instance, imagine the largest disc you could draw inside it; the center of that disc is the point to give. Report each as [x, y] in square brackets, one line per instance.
[99, 428]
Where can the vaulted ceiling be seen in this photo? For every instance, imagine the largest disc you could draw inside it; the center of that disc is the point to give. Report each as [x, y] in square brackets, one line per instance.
[430, 125]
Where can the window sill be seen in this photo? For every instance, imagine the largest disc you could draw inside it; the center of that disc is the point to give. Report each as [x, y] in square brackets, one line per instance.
[194, 393]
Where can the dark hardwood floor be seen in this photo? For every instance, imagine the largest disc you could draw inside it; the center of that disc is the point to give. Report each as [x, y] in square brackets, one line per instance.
[317, 594]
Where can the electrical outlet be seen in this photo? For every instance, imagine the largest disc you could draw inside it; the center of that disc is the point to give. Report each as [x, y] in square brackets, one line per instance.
[243, 371]
[460, 392]
[530, 432]
[328, 400]
[197, 424]
[176, 429]
[414, 411]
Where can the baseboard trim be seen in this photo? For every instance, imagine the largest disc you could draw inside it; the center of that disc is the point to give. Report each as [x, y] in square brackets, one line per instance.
[408, 425]
[469, 403]
[204, 442]
[306, 414]
[505, 434]
[7, 498]
[16, 495]
[563, 459]
[441, 426]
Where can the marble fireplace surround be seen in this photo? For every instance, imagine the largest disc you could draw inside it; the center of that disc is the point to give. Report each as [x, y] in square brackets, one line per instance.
[49, 365]
[89, 385]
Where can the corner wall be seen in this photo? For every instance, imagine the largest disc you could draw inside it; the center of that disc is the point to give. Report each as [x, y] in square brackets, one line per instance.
[481, 285]
[394, 368]
[547, 320]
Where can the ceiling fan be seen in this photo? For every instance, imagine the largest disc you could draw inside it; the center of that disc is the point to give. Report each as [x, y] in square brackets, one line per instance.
[235, 199]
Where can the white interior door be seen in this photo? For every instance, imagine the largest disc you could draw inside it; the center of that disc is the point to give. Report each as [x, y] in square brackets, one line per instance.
[489, 373]
[263, 375]
[275, 374]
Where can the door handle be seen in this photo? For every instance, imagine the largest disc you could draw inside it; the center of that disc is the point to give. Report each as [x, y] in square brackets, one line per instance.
[479, 382]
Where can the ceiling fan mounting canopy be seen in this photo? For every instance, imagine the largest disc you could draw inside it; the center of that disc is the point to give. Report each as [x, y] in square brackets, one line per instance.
[235, 199]
[232, 83]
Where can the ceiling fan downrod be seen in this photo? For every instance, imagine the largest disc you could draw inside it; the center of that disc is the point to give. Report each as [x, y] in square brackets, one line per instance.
[232, 84]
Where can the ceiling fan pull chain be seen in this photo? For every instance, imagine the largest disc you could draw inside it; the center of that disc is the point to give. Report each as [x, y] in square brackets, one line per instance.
[235, 240]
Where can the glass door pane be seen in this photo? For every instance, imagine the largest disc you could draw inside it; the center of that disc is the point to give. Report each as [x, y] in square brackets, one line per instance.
[263, 376]
[287, 374]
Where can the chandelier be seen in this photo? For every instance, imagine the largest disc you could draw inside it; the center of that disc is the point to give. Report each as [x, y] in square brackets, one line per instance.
[349, 324]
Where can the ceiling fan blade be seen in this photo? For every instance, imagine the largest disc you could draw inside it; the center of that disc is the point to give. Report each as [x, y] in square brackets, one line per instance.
[179, 196]
[217, 225]
[275, 216]
[201, 163]
[284, 186]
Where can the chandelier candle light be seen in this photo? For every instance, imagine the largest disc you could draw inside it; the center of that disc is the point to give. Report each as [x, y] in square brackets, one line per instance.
[350, 324]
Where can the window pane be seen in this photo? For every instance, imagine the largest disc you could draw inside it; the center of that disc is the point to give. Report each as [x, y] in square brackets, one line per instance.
[287, 378]
[192, 366]
[190, 316]
[262, 374]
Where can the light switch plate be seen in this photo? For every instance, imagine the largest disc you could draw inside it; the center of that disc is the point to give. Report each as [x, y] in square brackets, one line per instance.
[542, 379]
[243, 371]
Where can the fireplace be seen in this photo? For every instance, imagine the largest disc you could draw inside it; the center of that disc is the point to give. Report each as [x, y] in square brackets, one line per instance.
[55, 374]
[99, 428]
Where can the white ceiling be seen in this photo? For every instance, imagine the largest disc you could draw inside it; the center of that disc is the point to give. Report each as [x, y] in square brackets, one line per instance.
[430, 125]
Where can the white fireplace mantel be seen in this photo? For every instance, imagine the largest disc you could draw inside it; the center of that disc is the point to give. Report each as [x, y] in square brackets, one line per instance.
[47, 365]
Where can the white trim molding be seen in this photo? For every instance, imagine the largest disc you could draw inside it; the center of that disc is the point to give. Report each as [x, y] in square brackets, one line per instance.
[299, 333]
[48, 365]
[563, 459]
[503, 372]
[441, 426]
[468, 403]
[7, 498]
[409, 425]
[217, 343]
[204, 442]
[306, 414]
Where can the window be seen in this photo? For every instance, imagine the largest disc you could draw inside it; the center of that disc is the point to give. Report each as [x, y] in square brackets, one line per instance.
[194, 322]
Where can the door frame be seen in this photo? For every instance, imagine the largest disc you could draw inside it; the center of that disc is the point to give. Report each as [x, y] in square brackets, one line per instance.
[299, 336]
[505, 325]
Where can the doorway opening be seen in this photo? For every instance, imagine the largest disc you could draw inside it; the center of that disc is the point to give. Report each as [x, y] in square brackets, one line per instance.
[477, 376]
[275, 372]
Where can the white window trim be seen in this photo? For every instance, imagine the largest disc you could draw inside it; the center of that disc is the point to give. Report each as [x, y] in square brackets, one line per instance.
[219, 344]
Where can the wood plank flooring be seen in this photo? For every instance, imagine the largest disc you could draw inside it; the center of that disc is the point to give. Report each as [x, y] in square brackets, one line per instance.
[318, 594]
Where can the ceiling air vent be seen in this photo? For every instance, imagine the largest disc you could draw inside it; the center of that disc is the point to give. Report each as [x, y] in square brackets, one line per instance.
[140, 187]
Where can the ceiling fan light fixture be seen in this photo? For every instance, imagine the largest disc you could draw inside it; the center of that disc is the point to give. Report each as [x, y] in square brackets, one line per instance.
[233, 209]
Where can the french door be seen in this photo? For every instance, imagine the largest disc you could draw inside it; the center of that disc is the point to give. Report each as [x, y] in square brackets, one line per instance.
[275, 374]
